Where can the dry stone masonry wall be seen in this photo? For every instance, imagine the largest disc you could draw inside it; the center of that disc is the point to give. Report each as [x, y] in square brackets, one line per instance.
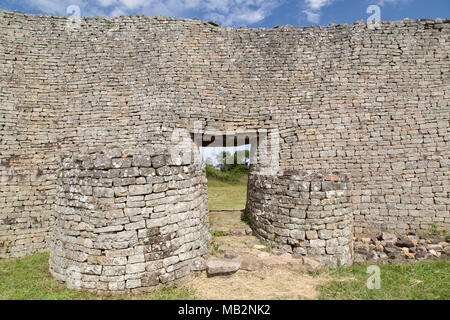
[310, 213]
[128, 221]
[369, 104]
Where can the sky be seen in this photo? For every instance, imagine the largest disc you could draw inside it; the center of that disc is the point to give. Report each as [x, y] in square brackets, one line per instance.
[212, 152]
[235, 13]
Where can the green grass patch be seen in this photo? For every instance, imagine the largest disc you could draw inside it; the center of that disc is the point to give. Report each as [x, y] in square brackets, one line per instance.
[220, 233]
[412, 281]
[214, 246]
[29, 278]
[244, 218]
[227, 196]
[234, 177]
[436, 230]
[266, 248]
[230, 177]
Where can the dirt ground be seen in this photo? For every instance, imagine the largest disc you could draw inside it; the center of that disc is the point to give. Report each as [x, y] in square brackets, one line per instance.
[276, 276]
[269, 283]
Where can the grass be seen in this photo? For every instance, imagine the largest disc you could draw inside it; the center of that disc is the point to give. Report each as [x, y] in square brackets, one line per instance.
[214, 246]
[412, 281]
[244, 218]
[216, 233]
[28, 278]
[437, 231]
[232, 176]
[266, 247]
[227, 196]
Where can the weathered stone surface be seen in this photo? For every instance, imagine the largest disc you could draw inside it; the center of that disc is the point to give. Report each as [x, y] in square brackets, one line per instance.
[142, 161]
[388, 236]
[143, 189]
[198, 264]
[216, 266]
[404, 242]
[311, 264]
[158, 161]
[399, 248]
[230, 255]
[101, 192]
[250, 263]
[322, 228]
[447, 250]
[124, 239]
[121, 163]
[355, 151]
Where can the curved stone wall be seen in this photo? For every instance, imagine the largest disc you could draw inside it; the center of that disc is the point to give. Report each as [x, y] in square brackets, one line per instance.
[303, 212]
[127, 221]
[370, 103]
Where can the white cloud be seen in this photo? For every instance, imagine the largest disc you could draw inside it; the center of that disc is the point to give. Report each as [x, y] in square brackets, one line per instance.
[317, 4]
[134, 4]
[313, 9]
[383, 2]
[227, 12]
[51, 6]
[238, 12]
[106, 3]
[117, 12]
[60, 7]
[311, 16]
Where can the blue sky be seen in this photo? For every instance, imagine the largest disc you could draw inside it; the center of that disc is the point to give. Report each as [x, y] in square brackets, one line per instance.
[254, 13]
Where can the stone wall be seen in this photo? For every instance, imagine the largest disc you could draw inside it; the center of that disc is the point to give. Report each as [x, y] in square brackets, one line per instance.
[128, 221]
[307, 213]
[372, 104]
[31, 89]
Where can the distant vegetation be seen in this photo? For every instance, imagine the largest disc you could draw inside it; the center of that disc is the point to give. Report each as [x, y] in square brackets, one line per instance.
[227, 187]
[230, 177]
[232, 168]
[226, 190]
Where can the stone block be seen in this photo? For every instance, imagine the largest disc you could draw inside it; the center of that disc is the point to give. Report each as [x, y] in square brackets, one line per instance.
[142, 189]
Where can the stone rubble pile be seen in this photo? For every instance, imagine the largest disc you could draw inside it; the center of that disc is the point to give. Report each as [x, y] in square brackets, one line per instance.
[381, 249]
[388, 247]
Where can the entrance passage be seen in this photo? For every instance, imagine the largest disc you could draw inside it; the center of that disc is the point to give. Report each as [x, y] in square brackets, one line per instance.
[227, 174]
[227, 158]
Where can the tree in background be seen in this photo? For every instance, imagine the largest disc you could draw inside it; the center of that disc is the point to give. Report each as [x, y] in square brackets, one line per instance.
[209, 162]
[233, 171]
[237, 162]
